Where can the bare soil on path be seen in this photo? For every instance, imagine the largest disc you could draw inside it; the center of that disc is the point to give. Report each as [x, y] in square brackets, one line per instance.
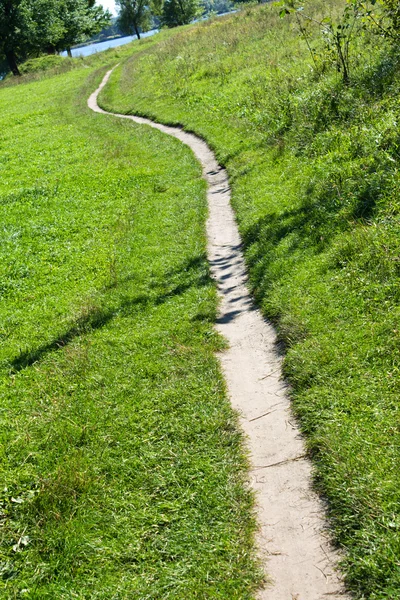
[293, 541]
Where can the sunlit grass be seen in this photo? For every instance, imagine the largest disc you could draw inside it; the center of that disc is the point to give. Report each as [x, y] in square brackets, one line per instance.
[122, 468]
[314, 172]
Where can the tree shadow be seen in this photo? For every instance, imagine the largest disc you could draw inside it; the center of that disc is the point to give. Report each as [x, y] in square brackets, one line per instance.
[95, 318]
[194, 273]
[277, 237]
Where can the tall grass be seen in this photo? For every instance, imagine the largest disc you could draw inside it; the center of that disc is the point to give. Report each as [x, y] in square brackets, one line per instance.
[314, 171]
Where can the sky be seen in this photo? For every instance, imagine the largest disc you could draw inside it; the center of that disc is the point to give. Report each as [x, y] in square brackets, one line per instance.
[110, 4]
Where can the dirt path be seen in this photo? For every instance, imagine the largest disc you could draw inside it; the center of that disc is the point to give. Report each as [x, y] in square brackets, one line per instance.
[298, 557]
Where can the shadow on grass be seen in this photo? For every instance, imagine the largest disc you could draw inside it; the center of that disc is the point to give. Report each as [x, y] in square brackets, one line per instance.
[193, 272]
[323, 213]
[304, 226]
[379, 77]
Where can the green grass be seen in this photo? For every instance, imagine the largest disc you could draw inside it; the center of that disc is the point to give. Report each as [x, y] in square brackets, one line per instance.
[314, 171]
[122, 467]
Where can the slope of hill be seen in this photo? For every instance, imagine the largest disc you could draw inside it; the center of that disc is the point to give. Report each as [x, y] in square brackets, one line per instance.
[122, 469]
[314, 168]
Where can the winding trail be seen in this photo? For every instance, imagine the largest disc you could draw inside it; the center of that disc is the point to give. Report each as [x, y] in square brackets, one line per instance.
[292, 539]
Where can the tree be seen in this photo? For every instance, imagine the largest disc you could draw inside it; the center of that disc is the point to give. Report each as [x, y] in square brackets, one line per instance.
[81, 19]
[11, 26]
[391, 10]
[30, 27]
[180, 12]
[133, 16]
[43, 26]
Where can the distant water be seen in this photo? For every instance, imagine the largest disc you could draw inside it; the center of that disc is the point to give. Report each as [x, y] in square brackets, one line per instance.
[100, 46]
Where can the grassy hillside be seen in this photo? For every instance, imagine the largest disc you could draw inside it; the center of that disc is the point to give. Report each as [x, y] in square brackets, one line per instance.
[121, 463]
[314, 170]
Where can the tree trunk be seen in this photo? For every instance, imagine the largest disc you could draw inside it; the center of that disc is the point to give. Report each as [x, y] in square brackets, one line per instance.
[136, 31]
[69, 52]
[342, 60]
[12, 62]
[183, 21]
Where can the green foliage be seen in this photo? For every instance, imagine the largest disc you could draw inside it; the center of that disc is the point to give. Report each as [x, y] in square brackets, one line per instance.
[43, 26]
[340, 33]
[383, 18]
[180, 12]
[29, 27]
[314, 169]
[80, 20]
[134, 15]
[109, 32]
[121, 463]
[12, 28]
[337, 33]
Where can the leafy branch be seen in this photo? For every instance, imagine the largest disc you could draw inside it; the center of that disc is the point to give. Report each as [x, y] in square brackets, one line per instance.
[337, 36]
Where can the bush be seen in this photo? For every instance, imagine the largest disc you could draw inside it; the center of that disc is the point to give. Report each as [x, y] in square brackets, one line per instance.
[43, 63]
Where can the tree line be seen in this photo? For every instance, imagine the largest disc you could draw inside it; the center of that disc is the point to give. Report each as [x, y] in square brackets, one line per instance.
[137, 15]
[29, 28]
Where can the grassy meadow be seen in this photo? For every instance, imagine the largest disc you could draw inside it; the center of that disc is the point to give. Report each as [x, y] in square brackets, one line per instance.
[122, 467]
[313, 164]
